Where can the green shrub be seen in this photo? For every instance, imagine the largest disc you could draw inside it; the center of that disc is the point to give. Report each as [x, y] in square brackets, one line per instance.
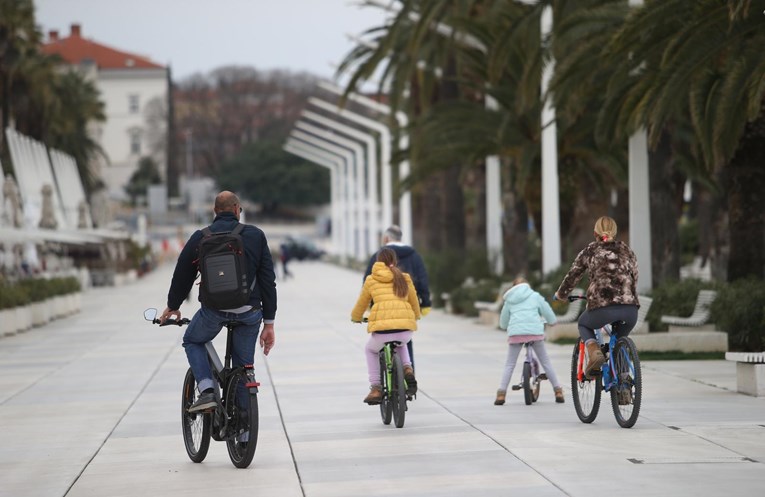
[35, 290]
[674, 298]
[739, 309]
[12, 296]
[463, 297]
[448, 270]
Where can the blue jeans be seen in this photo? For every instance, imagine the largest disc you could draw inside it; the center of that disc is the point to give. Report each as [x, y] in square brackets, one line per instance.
[205, 325]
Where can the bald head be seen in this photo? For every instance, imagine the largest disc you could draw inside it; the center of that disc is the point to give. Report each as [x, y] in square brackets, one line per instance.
[227, 201]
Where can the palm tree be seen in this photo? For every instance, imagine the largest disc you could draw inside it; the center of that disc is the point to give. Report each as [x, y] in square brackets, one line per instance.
[420, 68]
[18, 37]
[704, 59]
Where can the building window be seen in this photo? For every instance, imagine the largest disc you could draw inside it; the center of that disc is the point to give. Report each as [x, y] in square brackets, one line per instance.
[135, 142]
[133, 104]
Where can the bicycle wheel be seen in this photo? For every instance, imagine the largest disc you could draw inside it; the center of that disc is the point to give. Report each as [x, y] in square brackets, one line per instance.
[536, 381]
[386, 406]
[627, 393]
[242, 414]
[586, 393]
[195, 426]
[398, 392]
[528, 395]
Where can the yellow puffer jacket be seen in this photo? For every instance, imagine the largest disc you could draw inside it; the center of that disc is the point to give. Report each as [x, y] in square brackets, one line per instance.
[389, 312]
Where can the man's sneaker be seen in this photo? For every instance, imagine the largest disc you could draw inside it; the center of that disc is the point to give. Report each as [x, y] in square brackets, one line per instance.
[375, 395]
[411, 382]
[205, 402]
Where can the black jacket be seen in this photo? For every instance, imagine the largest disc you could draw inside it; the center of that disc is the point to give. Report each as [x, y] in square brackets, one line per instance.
[410, 262]
[259, 261]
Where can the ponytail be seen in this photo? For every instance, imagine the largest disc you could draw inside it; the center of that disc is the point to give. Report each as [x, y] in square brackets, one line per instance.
[388, 257]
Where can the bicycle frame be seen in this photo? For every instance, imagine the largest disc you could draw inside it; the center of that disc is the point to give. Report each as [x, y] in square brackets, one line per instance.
[608, 370]
[222, 371]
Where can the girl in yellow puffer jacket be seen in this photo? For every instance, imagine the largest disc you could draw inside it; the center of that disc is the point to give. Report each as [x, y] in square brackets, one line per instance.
[393, 317]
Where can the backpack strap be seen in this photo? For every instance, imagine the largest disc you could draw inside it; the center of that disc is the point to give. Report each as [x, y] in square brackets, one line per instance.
[238, 229]
[206, 231]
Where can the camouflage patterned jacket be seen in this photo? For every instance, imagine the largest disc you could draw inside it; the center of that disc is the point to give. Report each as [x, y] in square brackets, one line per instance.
[612, 269]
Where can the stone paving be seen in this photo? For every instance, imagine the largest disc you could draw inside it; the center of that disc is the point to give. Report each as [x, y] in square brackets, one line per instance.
[89, 406]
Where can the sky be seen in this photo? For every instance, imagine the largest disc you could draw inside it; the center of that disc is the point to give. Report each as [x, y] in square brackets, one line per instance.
[194, 36]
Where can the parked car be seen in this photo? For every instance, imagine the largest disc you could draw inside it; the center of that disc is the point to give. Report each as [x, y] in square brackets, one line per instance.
[302, 248]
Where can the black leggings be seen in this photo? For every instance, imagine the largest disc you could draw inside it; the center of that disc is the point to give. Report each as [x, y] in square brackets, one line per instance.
[623, 317]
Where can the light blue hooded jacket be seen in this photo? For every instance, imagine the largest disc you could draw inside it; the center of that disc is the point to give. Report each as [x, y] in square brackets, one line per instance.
[523, 311]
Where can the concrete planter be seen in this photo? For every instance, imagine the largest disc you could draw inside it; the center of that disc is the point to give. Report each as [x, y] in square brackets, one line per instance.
[7, 322]
[58, 306]
[75, 302]
[40, 313]
[23, 318]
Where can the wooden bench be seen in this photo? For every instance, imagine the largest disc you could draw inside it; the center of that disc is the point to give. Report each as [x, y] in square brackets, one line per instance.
[750, 372]
[698, 318]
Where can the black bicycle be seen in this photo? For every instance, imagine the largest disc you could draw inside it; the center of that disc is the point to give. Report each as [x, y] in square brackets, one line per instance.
[394, 386]
[235, 418]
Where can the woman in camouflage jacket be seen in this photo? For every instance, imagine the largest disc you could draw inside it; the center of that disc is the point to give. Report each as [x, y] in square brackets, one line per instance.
[612, 294]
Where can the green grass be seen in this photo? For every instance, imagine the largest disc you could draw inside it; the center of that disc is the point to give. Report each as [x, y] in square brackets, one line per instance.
[670, 355]
[677, 355]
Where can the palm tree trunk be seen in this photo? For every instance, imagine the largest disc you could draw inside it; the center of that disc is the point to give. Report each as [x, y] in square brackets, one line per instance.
[515, 233]
[746, 203]
[666, 203]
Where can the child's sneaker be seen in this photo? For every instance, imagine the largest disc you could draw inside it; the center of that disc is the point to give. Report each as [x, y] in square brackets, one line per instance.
[375, 395]
[559, 395]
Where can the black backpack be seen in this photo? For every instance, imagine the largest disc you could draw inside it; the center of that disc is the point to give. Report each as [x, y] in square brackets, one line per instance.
[223, 265]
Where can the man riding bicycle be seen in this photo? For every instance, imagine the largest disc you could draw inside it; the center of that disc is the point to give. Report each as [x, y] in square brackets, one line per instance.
[207, 322]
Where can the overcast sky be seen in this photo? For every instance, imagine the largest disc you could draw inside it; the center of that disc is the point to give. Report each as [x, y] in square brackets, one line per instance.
[198, 35]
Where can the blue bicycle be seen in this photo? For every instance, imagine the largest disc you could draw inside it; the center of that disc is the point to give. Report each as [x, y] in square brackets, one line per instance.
[620, 375]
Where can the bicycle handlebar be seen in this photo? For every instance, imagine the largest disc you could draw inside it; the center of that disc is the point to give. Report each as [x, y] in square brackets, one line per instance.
[571, 298]
[170, 322]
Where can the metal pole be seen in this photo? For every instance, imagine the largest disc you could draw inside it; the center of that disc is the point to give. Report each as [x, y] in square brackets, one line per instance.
[550, 196]
[640, 202]
[352, 227]
[360, 202]
[340, 224]
[385, 153]
[405, 200]
[373, 206]
[333, 166]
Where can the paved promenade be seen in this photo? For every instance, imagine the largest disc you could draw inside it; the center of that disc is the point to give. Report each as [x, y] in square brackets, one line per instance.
[89, 406]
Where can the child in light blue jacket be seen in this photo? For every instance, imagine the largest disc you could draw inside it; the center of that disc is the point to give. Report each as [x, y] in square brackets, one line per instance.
[524, 314]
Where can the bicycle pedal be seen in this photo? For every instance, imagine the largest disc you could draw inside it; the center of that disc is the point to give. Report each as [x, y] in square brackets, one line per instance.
[542, 376]
[516, 387]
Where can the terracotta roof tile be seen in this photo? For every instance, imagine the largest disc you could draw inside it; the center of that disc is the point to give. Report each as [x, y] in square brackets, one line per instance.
[75, 50]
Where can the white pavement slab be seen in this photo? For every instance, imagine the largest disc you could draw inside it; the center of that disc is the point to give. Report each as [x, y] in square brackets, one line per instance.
[89, 406]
